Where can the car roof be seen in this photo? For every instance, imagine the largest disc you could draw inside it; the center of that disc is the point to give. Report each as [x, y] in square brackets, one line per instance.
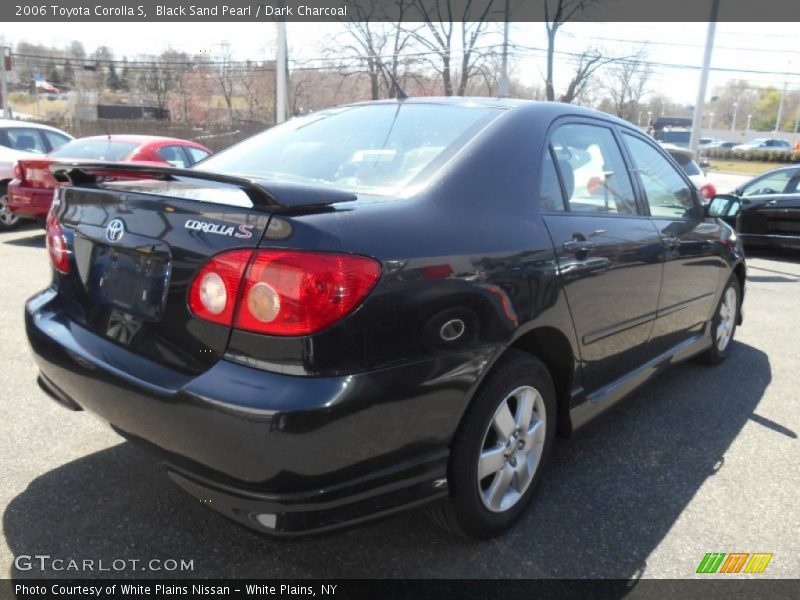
[135, 138]
[31, 124]
[550, 110]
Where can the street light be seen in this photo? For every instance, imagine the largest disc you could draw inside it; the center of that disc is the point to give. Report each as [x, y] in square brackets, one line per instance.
[735, 110]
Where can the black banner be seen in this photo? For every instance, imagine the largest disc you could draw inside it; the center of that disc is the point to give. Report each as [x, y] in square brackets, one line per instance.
[389, 589]
[392, 10]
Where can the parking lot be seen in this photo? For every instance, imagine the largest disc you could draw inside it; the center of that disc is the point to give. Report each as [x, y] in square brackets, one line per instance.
[702, 460]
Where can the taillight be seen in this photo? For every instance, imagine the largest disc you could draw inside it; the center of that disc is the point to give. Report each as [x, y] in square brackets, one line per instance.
[18, 172]
[708, 191]
[212, 296]
[281, 292]
[56, 244]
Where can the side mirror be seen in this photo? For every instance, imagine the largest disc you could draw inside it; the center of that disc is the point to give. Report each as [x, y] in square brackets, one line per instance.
[723, 205]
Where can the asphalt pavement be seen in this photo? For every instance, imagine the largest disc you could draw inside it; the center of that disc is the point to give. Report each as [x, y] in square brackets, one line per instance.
[704, 459]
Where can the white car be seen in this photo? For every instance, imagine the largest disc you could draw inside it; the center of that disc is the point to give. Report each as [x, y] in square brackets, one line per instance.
[765, 145]
[20, 140]
[685, 159]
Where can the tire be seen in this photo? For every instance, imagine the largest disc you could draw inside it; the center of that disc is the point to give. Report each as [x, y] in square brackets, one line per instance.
[518, 387]
[8, 220]
[723, 325]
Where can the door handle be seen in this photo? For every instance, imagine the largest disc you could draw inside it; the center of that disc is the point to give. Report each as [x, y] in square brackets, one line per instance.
[577, 246]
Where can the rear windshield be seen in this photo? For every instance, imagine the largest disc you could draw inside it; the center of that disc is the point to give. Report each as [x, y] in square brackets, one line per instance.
[679, 138]
[376, 149]
[97, 149]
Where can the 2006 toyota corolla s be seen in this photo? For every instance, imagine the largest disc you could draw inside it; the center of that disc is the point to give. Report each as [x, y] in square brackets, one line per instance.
[381, 305]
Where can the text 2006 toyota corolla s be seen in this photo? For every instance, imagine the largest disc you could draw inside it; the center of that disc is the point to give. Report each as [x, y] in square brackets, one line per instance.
[382, 305]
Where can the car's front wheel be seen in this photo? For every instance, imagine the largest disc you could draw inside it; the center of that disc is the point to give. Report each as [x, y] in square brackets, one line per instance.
[723, 325]
[499, 451]
[8, 220]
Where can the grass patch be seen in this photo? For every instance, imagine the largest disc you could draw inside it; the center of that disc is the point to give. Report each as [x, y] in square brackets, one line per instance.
[743, 167]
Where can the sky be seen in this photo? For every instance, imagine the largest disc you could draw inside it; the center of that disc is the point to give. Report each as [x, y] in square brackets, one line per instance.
[767, 50]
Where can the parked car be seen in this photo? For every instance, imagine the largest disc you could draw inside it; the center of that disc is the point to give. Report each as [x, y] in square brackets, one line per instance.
[685, 159]
[31, 191]
[21, 140]
[765, 145]
[708, 142]
[765, 211]
[381, 305]
[721, 144]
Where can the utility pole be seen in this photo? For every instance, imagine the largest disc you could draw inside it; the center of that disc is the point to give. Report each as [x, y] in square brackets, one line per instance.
[699, 106]
[3, 78]
[735, 112]
[780, 109]
[281, 95]
[504, 85]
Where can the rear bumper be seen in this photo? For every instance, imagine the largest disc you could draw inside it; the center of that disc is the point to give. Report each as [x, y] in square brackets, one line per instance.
[28, 201]
[310, 453]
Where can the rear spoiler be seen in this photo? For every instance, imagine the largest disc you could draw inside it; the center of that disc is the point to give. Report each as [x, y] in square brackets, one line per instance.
[272, 195]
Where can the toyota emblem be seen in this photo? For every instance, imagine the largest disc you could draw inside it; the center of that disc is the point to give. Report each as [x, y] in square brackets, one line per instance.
[115, 230]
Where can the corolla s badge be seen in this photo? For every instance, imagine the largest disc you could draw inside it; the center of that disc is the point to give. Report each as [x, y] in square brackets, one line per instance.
[115, 230]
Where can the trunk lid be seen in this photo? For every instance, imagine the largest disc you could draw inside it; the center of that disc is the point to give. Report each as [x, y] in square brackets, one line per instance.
[137, 246]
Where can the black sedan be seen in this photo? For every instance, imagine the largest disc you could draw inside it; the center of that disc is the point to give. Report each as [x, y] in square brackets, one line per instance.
[382, 305]
[765, 211]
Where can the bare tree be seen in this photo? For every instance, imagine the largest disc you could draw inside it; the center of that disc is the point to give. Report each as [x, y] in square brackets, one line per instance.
[588, 63]
[627, 84]
[227, 78]
[556, 13]
[442, 24]
[380, 43]
[159, 75]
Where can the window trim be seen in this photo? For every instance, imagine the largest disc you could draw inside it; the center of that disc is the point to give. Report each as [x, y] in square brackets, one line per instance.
[612, 127]
[675, 166]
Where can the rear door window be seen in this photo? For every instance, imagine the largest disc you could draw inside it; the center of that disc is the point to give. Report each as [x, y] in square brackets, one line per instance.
[174, 155]
[593, 173]
[195, 154]
[55, 140]
[668, 194]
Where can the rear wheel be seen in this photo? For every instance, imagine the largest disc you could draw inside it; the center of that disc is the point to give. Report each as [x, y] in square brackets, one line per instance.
[723, 325]
[8, 219]
[500, 448]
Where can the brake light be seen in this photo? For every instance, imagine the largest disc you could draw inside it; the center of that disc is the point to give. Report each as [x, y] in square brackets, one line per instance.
[18, 172]
[281, 292]
[212, 296]
[56, 244]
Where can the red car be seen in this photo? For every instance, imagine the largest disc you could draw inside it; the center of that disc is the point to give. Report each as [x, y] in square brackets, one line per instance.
[31, 190]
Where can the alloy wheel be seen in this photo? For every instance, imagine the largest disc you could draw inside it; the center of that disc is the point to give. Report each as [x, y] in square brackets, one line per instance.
[512, 449]
[7, 218]
[727, 319]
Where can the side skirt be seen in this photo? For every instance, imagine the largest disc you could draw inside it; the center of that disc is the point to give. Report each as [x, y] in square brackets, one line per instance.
[587, 407]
